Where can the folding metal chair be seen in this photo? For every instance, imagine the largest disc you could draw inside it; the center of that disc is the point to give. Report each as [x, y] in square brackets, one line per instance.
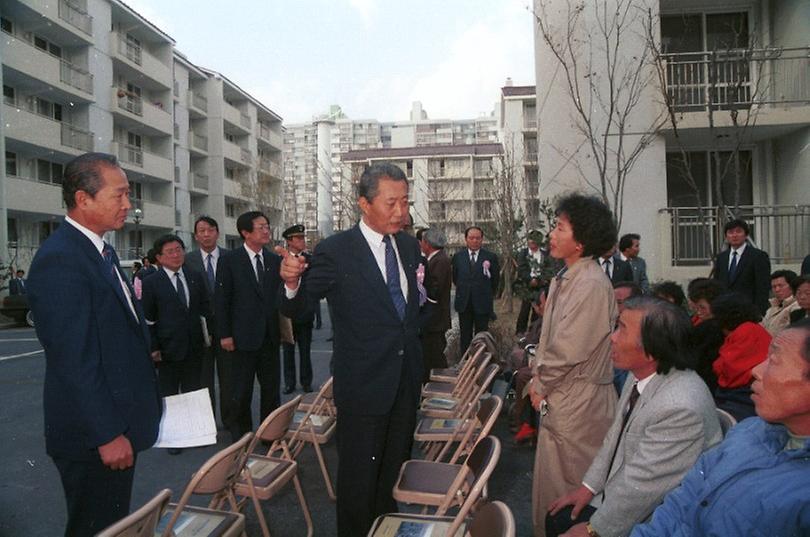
[491, 520]
[141, 523]
[443, 485]
[265, 475]
[216, 478]
[439, 435]
[309, 399]
[455, 407]
[450, 374]
[479, 359]
[316, 426]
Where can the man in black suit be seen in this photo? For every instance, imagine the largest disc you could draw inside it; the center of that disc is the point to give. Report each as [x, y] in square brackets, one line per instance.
[246, 299]
[205, 261]
[532, 262]
[438, 281]
[301, 326]
[17, 285]
[368, 276]
[476, 273]
[743, 268]
[616, 269]
[100, 401]
[174, 300]
[149, 261]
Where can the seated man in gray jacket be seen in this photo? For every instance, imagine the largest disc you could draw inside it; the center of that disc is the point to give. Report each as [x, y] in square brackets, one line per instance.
[665, 419]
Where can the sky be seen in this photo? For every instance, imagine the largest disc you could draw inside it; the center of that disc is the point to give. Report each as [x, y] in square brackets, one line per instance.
[371, 57]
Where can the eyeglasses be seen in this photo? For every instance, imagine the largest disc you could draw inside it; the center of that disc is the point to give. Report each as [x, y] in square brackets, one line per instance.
[261, 227]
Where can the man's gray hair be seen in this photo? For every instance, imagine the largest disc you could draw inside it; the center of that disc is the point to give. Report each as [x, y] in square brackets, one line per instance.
[435, 237]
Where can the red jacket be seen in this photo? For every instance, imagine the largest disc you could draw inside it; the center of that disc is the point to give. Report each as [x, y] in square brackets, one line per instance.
[744, 348]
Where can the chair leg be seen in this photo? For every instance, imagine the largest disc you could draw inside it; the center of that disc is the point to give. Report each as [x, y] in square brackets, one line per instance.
[328, 480]
[304, 507]
[257, 505]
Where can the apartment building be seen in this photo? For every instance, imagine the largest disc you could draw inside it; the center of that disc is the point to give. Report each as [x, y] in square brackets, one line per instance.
[96, 76]
[315, 151]
[737, 77]
[450, 186]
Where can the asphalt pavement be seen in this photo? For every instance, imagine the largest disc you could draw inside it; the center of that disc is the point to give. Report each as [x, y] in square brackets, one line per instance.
[31, 499]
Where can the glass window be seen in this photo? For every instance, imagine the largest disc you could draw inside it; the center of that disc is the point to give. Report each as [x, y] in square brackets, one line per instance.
[9, 95]
[11, 163]
[6, 25]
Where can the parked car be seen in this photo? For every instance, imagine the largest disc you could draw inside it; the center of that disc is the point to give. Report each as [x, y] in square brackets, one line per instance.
[16, 307]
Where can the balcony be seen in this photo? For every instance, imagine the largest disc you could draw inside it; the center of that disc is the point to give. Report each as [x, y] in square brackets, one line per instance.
[738, 78]
[270, 167]
[22, 56]
[145, 116]
[197, 104]
[137, 160]
[197, 143]
[155, 214]
[76, 17]
[137, 62]
[236, 117]
[33, 195]
[199, 181]
[696, 233]
[41, 131]
[233, 152]
[236, 189]
[529, 123]
[269, 136]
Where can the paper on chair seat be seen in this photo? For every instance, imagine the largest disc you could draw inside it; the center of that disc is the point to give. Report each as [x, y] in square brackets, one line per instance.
[187, 421]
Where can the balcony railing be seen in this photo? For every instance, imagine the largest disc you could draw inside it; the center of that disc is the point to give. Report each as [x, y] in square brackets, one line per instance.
[738, 78]
[131, 104]
[73, 76]
[130, 49]
[131, 154]
[76, 17]
[246, 155]
[198, 101]
[198, 141]
[76, 138]
[244, 119]
[780, 230]
[200, 181]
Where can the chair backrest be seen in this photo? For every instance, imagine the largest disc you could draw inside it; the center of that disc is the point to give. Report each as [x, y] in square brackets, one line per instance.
[488, 411]
[727, 421]
[493, 520]
[141, 523]
[480, 465]
[275, 426]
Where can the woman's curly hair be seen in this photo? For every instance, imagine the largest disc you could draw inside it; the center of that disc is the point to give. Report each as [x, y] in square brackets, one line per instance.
[592, 222]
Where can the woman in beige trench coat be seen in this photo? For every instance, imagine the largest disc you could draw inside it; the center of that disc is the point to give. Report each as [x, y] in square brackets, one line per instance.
[572, 385]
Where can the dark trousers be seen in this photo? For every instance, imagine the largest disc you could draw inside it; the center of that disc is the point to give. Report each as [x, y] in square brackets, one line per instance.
[371, 450]
[247, 366]
[96, 496]
[561, 522]
[468, 319]
[318, 320]
[214, 359]
[433, 344]
[525, 316]
[302, 332]
[179, 376]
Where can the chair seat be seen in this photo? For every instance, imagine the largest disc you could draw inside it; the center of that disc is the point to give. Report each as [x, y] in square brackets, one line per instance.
[439, 403]
[269, 474]
[446, 374]
[418, 525]
[196, 521]
[440, 430]
[438, 388]
[424, 482]
[323, 426]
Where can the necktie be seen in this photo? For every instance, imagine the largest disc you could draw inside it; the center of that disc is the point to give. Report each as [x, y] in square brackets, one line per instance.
[107, 254]
[733, 267]
[472, 260]
[209, 271]
[607, 267]
[634, 395]
[392, 277]
[181, 290]
[259, 269]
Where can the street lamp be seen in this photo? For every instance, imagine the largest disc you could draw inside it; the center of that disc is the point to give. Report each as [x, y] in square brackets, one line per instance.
[138, 215]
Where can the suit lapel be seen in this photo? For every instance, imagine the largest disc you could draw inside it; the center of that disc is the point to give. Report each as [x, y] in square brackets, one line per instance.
[367, 266]
[745, 258]
[409, 264]
[250, 269]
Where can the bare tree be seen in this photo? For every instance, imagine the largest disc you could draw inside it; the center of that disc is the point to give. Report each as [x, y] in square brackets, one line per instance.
[605, 87]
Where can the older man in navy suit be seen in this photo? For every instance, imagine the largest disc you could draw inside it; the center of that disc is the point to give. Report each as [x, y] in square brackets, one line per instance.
[476, 273]
[246, 300]
[101, 399]
[368, 276]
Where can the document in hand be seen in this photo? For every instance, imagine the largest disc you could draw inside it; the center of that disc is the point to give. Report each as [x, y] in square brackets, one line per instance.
[187, 421]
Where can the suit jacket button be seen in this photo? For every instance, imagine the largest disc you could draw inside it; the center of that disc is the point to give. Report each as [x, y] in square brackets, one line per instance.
[401, 352]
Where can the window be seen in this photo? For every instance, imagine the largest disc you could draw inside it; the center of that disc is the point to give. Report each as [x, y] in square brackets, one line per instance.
[134, 140]
[135, 190]
[230, 137]
[44, 230]
[9, 96]
[6, 25]
[12, 230]
[11, 163]
[46, 46]
[49, 172]
[47, 109]
[230, 210]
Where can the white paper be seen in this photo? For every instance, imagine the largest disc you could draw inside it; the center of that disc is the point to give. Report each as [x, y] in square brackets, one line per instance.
[205, 332]
[188, 421]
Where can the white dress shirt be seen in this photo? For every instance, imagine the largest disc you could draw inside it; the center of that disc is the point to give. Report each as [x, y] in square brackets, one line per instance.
[252, 256]
[215, 253]
[98, 242]
[375, 242]
[739, 251]
[173, 279]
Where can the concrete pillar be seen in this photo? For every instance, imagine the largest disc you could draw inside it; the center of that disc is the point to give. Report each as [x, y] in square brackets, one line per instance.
[324, 171]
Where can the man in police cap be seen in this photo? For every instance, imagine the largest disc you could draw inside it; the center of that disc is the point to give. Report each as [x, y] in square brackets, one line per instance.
[302, 326]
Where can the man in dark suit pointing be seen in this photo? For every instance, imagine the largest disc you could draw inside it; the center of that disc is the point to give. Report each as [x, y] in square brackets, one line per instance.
[368, 276]
[101, 400]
